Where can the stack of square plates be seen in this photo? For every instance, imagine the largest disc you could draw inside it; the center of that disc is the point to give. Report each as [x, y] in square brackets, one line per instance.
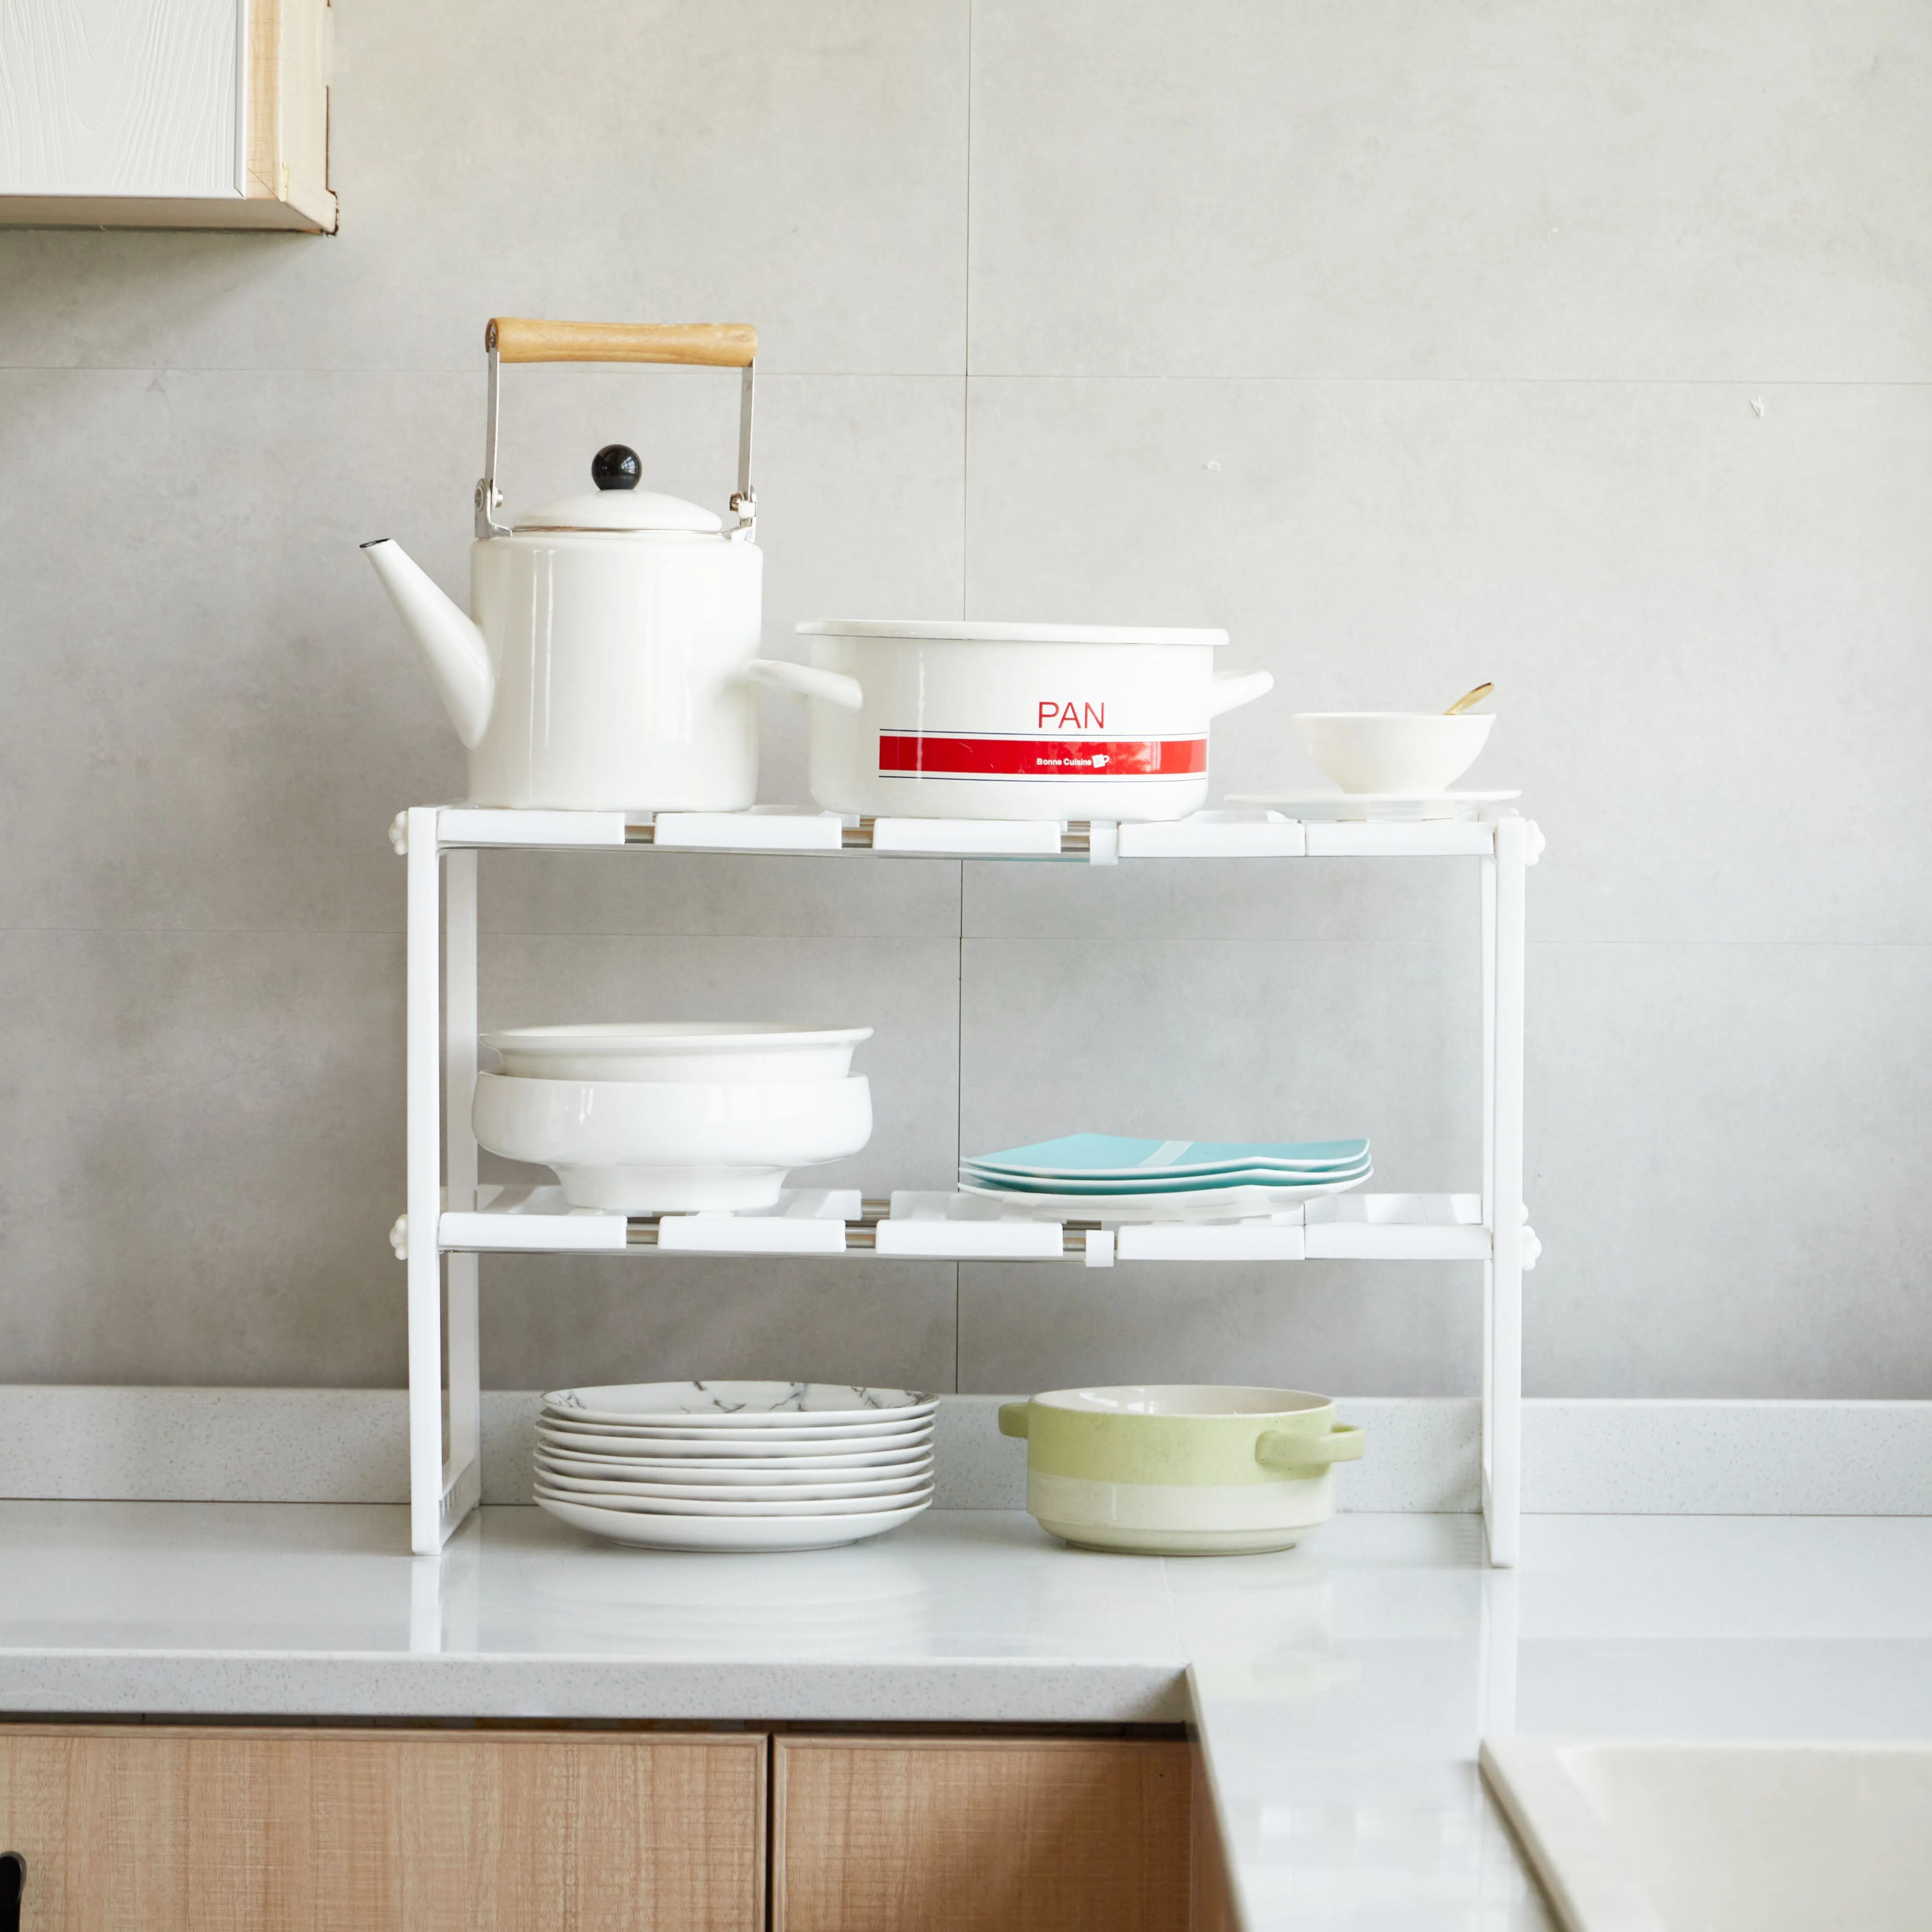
[1104, 1177]
[735, 1465]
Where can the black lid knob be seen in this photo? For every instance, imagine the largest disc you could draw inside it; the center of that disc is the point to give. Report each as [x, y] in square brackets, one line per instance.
[614, 467]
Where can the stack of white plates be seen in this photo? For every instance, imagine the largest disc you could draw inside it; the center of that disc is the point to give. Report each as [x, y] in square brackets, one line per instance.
[735, 1465]
[1106, 1177]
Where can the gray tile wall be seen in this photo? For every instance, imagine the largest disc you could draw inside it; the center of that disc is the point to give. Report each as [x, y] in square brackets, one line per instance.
[1583, 348]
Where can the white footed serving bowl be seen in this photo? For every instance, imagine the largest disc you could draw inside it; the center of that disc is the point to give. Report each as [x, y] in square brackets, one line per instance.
[639, 1147]
[1410, 751]
[728, 1051]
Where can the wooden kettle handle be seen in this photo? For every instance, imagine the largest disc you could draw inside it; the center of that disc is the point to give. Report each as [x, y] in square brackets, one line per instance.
[714, 345]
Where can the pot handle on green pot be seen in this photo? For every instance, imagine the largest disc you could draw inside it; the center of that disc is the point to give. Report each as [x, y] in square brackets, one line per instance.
[1013, 1418]
[1280, 1450]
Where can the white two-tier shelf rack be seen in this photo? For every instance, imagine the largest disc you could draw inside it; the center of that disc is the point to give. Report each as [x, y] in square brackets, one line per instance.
[449, 1220]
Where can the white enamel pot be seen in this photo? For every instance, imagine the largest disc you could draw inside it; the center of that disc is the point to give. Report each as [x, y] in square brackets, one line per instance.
[954, 720]
[607, 659]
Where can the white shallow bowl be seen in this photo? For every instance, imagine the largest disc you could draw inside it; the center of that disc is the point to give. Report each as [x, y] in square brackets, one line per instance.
[728, 1533]
[670, 1147]
[1394, 751]
[679, 1506]
[703, 1406]
[675, 1052]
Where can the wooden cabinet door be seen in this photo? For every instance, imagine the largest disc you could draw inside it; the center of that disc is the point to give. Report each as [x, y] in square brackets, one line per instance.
[980, 1834]
[148, 1829]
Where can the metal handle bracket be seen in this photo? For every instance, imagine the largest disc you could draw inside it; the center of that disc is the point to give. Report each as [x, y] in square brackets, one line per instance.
[490, 496]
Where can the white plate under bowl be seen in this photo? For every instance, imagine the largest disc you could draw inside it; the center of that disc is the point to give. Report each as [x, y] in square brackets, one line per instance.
[734, 1468]
[616, 1489]
[682, 1506]
[727, 1533]
[739, 1404]
[679, 1051]
[1395, 805]
[1205, 1204]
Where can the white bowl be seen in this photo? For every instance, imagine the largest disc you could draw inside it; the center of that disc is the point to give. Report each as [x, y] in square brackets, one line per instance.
[653, 1148]
[1409, 751]
[678, 1051]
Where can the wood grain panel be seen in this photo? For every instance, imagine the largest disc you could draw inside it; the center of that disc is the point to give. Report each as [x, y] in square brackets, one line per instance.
[289, 57]
[133, 99]
[1212, 1906]
[980, 1835]
[161, 1829]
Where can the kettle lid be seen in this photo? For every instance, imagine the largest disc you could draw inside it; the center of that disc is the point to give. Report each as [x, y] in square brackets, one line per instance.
[618, 504]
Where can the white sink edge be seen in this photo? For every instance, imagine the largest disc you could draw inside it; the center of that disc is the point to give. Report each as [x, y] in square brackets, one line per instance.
[1652, 1834]
[1582, 1873]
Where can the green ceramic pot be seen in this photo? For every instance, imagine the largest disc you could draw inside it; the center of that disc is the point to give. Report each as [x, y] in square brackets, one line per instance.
[1185, 1469]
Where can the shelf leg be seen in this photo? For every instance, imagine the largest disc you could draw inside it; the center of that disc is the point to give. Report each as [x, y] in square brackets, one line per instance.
[1496, 1711]
[1488, 922]
[1502, 1404]
[461, 1485]
[424, 1142]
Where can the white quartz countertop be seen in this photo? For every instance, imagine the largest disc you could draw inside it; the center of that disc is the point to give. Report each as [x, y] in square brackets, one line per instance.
[1339, 1691]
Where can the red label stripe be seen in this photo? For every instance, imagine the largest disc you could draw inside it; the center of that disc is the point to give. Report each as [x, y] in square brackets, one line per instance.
[927, 754]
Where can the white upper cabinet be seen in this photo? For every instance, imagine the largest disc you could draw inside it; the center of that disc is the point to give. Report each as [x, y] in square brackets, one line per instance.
[165, 114]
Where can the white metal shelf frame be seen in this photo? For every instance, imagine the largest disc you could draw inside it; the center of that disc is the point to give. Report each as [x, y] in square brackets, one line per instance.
[440, 844]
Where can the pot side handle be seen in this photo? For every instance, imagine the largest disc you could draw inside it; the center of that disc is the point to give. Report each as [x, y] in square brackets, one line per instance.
[1233, 688]
[1280, 1450]
[1013, 1418]
[831, 687]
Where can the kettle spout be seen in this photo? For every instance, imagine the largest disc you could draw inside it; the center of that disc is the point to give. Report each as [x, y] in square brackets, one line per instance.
[451, 646]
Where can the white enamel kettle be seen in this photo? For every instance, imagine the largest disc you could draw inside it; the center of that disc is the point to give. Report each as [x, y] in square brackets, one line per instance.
[609, 656]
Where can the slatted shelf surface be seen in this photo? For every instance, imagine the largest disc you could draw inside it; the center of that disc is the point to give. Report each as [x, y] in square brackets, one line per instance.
[1207, 835]
[936, 1226]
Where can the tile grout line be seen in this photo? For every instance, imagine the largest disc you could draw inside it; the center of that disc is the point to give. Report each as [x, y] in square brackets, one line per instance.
[1030, 376]
[966, 347]
[995, 939]
[965, 500]
[959, 1099]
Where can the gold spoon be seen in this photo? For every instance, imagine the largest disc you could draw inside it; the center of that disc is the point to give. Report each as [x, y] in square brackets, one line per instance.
[1467, 698]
